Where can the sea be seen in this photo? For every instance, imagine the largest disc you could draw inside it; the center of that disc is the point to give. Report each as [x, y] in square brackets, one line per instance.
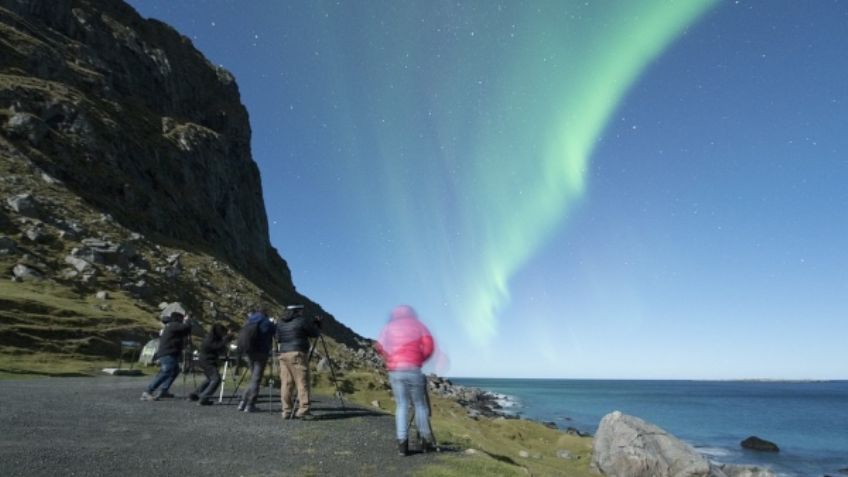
[807, 420]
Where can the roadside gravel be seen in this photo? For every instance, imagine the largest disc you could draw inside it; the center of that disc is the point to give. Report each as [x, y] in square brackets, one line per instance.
[98, 427]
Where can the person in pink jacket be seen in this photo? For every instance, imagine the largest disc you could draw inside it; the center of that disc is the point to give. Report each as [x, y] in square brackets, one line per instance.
[405, 344]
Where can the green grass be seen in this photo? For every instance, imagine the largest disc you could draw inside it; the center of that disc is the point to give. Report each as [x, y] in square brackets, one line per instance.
[496, 442]
[49, 330]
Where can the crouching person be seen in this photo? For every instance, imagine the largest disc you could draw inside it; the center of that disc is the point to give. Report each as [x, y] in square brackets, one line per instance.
[405, 344]
[213, 346]
[171, 343]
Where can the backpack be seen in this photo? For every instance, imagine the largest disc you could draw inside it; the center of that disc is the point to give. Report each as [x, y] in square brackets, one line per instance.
[248, 338]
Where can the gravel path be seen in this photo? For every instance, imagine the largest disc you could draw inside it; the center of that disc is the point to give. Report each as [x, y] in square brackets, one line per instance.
[98, 426]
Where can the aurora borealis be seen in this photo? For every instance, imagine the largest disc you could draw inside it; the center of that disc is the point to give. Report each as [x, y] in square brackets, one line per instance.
[543, 180]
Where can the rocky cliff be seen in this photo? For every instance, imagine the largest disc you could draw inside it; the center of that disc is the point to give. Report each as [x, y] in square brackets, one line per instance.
[126, 166]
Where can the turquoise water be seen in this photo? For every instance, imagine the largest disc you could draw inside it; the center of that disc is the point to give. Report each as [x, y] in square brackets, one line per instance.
[807, 420]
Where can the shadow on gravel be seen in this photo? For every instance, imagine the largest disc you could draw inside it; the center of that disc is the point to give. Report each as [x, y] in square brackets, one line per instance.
[332, 416]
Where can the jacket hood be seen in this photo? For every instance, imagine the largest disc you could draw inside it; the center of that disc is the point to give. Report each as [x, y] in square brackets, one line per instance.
[256, 317]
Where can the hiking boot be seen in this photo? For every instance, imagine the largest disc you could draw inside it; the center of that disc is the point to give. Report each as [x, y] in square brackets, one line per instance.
[204, 402]
[241, 405]
[146, 396]
[250, 408]
[306, 416]
[193, 397]
[403, 448]
[164, 394]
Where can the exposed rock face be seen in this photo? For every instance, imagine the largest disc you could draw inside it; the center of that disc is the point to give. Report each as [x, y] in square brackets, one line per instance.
[130, 116]
[626, 446]
[121, 147]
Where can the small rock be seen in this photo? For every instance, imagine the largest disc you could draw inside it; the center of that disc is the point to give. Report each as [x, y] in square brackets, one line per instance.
[757, 444]
[524, 454]
[27, 126]
[323, 366]
[7, 246]
[24, 204]
[79, 264]
[49, 179]
[24, 273]
[376, 403]
[471, 451]
[564, 454]
[102, 295]
[36, 235]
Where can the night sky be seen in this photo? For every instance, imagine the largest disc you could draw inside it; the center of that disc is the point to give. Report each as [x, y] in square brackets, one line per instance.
[606, 189]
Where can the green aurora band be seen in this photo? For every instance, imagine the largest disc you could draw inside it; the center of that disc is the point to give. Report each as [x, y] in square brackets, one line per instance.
[584, 95]
[505, 114]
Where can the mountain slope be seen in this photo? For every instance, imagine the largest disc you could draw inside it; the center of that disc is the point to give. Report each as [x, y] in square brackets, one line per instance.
[125, 167]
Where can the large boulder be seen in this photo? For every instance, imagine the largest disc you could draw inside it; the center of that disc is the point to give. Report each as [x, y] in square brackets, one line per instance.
[626, 446]
[757, 444]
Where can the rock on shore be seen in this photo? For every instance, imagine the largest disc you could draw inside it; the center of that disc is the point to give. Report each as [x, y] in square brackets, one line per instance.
[626, 446]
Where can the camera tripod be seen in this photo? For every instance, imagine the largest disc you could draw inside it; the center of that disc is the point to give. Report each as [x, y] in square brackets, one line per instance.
[188, 362]
[339, 393]
[429, 417]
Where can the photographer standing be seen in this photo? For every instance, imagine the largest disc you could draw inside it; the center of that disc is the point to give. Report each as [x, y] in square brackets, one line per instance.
[255, 340]
[293, 333]
[170, 346]
[214, 344]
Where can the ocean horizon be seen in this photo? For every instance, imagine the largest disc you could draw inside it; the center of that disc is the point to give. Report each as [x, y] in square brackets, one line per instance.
[807, 419]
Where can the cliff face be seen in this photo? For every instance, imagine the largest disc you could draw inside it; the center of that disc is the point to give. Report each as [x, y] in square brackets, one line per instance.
[130, 116]
[125, 167]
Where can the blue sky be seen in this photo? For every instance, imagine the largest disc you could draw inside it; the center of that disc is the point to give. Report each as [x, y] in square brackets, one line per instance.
[647, 189]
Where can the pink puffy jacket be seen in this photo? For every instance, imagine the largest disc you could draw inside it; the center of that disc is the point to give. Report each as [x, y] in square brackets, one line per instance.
[405, 343]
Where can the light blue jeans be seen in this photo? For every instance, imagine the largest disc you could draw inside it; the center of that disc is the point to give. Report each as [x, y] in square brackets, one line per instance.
[169, 369]
[406, 386]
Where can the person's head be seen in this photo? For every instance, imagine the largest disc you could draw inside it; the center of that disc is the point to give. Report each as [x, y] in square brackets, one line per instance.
[403, 311]
[295, 310]
[257, 309]
[219, 330]
[176, 317]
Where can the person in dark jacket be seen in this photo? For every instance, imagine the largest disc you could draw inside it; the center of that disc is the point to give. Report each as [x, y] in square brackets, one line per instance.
[171, 343]
[213, 346]
[293, 333]
[258, 356]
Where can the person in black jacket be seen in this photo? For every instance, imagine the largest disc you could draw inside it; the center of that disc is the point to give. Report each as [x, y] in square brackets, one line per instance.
[213, 346]
[170, 346]
[293, 333]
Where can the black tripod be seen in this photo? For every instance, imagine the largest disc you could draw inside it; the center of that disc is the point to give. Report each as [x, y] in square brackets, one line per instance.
[429, 417]
[339, 393]
[188, 361]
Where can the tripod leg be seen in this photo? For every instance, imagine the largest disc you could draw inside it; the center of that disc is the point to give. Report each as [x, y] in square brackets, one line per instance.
[271, 383]
[332, 371]
[235, 391]
[223, 381]
[430, 415]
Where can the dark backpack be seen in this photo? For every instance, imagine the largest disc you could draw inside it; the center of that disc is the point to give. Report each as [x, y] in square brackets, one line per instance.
[248, 338]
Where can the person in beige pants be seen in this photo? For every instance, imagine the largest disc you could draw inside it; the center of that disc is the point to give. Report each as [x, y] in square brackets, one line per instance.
[293, 333]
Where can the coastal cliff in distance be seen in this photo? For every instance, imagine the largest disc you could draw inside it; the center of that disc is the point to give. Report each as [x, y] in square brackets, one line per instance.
[127, 180]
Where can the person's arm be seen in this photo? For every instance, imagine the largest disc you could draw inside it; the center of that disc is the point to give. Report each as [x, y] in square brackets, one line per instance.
[425, 343]
[313, 328]
[379, 349]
